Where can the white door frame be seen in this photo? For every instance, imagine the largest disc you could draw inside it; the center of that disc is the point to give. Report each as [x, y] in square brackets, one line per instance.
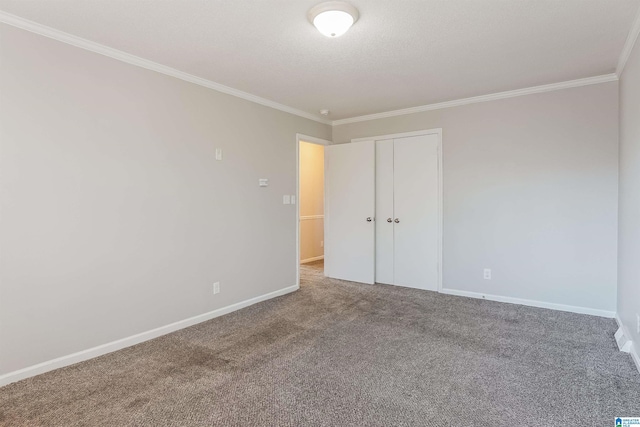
[312, 140]
[437, 131]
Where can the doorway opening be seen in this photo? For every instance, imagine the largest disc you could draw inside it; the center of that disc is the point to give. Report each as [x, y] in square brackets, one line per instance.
[310, 209]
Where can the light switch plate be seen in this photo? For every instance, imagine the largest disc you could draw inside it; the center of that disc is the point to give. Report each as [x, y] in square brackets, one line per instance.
[293, 200]
[263, 182]
[218, 153]
[286, 199]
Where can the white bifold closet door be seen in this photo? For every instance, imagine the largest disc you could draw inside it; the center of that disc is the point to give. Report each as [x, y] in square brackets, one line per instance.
[349, 211]
[407, 230]
[384, 211]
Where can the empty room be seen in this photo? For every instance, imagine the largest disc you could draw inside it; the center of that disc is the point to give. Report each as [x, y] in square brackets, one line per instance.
[319, 213]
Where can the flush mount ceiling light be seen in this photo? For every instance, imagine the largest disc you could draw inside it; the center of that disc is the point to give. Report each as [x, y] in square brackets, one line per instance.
[333, 18]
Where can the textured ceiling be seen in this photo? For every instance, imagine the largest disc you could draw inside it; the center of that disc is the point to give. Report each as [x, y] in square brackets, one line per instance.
[400, 54]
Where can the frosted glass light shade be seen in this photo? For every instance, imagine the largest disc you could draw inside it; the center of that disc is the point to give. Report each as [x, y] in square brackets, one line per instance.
[333, 23]
[333, 18]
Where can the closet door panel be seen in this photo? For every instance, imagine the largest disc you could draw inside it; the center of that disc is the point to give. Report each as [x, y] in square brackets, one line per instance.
[416, 211]
[384, 211]
[349, 211]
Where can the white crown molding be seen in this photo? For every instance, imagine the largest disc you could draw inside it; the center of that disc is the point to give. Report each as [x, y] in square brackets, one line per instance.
[628, 46]
[67, 38]
[483, 98]
[70, 39]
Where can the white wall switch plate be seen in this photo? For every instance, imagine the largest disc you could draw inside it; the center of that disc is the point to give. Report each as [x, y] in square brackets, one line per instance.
[218, 153]
[293, 200]
[263, 182]
[487, 274]
[286, 199]
[216, 288]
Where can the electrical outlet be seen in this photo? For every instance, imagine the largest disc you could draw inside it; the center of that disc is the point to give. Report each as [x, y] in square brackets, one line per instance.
[487, 274]
[637, 323]
[216, 288]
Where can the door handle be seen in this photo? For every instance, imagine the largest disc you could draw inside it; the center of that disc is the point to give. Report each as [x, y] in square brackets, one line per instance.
[396, 220]
[369, 219]
[389, 220]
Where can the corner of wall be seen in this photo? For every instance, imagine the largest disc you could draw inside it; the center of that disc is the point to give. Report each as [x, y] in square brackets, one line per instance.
[628, 171]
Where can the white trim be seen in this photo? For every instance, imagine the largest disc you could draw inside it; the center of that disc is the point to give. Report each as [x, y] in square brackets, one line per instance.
[635, 356]
[399, 135]
[119, 55]
[483, 98]
[532, 303]
[628, 45]
[436, 131]
[90, 353]
[76, 41]
[618, 320]
[440, 210]
[310, 217]
[315, 258]
[313, 140]
[625, 344]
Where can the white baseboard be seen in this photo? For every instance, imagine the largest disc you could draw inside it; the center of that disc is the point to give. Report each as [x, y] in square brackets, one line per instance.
[625, 344]
[532, 303]
[308, 260]
[90, 353]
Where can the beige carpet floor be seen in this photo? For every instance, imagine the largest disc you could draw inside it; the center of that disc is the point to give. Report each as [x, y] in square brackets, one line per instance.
[337, 353]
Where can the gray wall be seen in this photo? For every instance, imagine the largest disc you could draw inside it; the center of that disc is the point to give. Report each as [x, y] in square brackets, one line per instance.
[116, 218]
[530, 191]
[629, 219]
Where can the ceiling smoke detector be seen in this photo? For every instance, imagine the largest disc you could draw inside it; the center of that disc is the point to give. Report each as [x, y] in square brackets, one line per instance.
[333, 18]
[324, 112]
